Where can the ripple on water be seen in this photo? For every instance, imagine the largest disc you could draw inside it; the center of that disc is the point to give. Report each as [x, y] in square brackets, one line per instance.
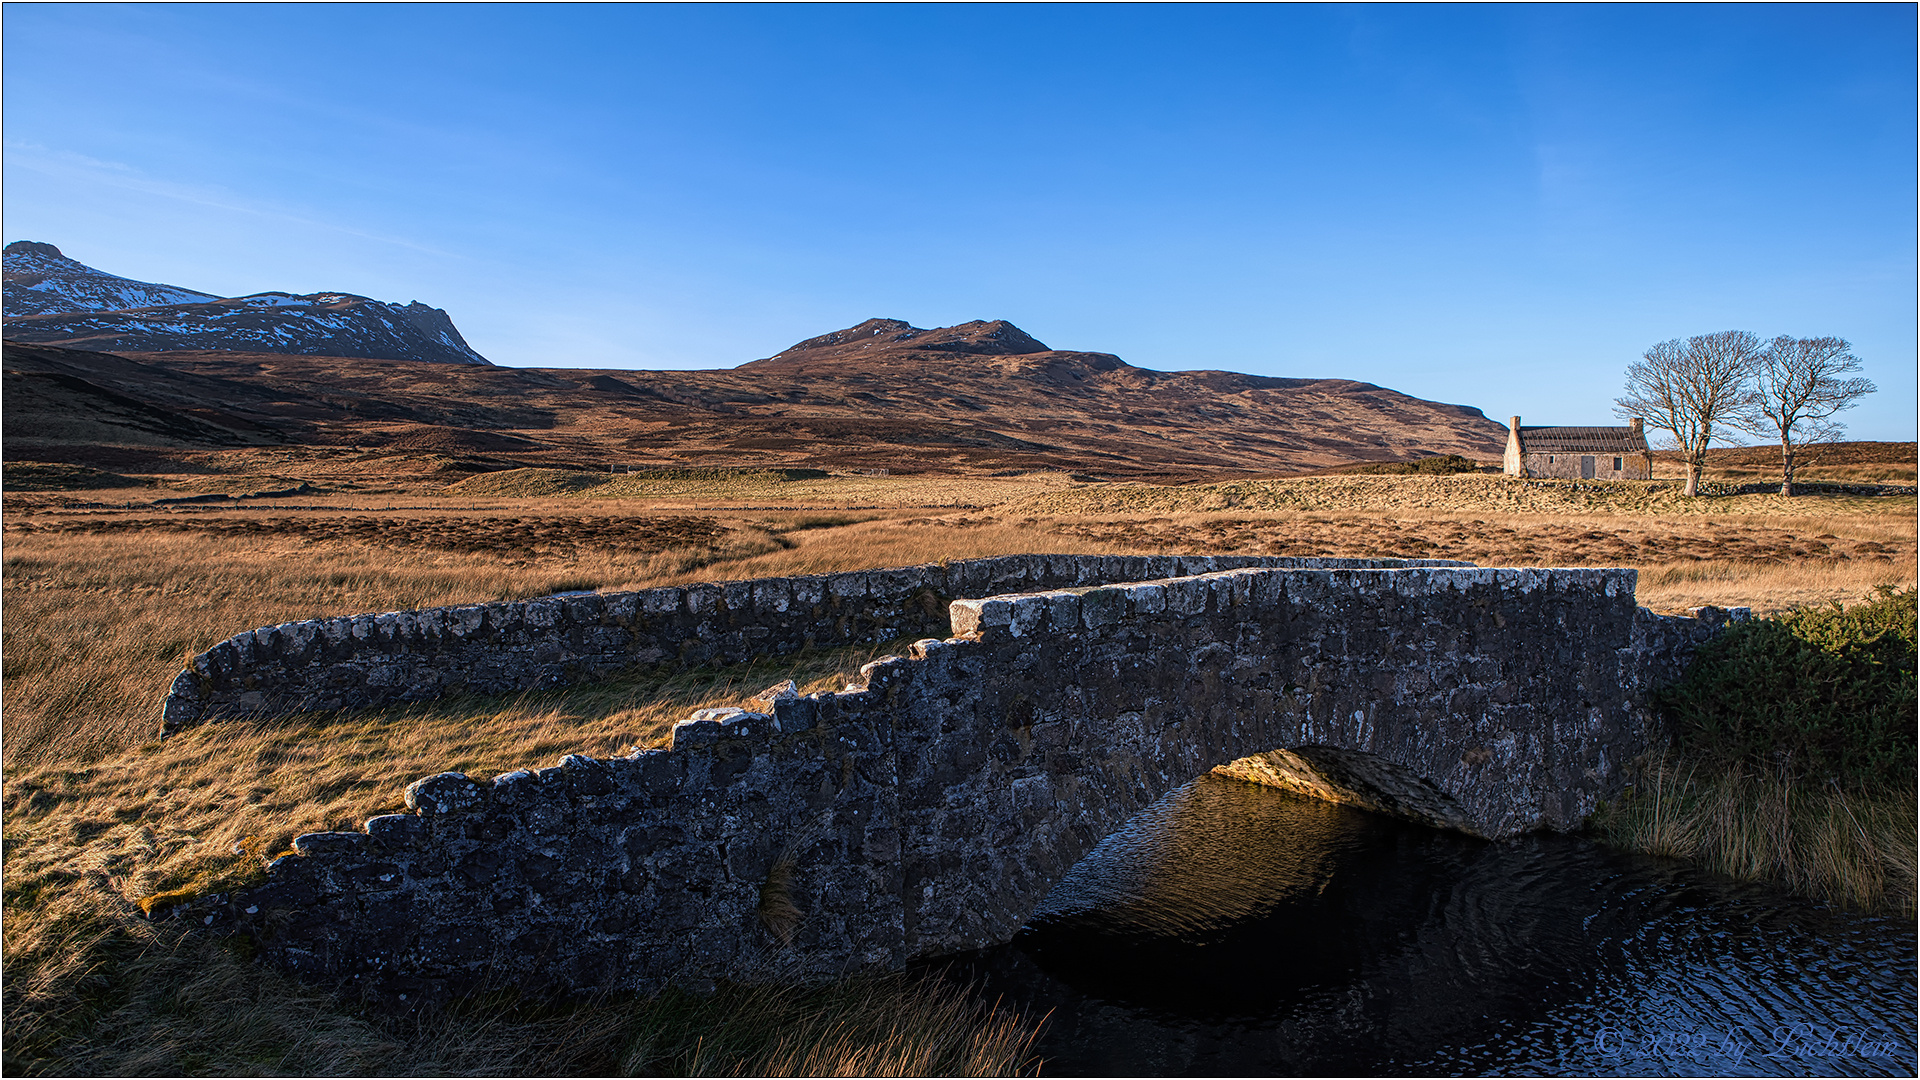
[1232, 929]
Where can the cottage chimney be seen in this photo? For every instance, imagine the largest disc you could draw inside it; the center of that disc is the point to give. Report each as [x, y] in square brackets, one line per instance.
[1511, 462]
[1638, 425]
[1514, 424]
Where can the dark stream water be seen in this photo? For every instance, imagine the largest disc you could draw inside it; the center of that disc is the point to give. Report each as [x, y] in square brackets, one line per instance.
[1238, 930]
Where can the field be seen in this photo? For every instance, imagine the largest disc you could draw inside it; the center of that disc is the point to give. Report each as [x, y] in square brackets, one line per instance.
[107, 589]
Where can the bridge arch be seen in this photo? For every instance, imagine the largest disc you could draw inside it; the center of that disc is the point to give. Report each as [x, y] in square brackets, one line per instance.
[933, 808]
[1354, 778]
[1488, 701]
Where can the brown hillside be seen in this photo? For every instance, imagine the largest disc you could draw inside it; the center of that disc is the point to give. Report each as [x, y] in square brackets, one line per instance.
[1767, 456]
[978, 397]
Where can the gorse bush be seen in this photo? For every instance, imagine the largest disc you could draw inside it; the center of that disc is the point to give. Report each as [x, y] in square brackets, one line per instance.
[1821, 694]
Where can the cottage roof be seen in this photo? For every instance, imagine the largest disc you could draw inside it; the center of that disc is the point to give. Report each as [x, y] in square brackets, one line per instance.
[1582, 440]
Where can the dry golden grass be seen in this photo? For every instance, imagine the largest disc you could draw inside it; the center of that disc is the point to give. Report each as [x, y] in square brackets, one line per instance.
[708, 487]
[202, 810]
[99, 622]
[1769, 564]
[855, 1029]
[99, 814]
[1769, 588]
[1471, 494]
[908, 541]
[97, 625]
[91, 846]
[1504, 539]
[1843, 474]
[1846, 462]
[559, 491]
[1848, 848]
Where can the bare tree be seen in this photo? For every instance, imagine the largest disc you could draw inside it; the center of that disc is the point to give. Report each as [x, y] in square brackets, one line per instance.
[1798, 387]
[1686, 387]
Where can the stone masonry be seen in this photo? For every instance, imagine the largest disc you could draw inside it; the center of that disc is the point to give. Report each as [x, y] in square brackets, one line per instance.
[931, 808]
[361, 661]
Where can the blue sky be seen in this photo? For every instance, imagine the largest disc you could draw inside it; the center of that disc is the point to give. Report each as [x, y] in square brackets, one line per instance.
[1500, 206]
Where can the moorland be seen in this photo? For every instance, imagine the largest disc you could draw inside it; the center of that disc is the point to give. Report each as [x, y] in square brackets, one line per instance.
[112, 583]
[156, 505]
[981, 397]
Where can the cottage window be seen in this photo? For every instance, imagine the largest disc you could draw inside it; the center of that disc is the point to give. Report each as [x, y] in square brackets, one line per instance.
[1616, 464]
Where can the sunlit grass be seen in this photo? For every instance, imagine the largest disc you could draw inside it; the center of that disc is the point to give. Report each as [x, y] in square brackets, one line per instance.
[1466, 493]
[97, 625]
[200, 810]
[100, 814]
[92, 986]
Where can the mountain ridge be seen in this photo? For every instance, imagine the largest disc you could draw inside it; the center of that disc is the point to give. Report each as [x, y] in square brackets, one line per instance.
[42, 281]
[55, 300]
[945, 400]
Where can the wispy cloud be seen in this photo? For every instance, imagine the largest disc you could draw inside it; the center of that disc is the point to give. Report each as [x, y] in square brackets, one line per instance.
[71, 166]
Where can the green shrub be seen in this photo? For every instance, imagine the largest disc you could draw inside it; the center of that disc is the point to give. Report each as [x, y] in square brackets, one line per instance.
[1822, 694]
[1438, 465]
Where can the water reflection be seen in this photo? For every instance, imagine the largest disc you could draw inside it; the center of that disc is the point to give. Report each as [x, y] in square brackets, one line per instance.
[1238, 930]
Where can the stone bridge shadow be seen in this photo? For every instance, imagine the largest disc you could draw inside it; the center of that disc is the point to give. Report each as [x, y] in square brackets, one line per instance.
[931, 810]
[1493, 702]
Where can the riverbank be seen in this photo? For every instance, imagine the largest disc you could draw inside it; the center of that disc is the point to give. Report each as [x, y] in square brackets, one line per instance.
[1794, 758]
[1851, 849]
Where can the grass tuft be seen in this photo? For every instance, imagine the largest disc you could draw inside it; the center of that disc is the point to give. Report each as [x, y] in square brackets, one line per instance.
[778, 912]
[1849, 848]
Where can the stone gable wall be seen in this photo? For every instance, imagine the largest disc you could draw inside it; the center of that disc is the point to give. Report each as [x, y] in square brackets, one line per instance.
[1634, 465]
[362, 661]
[930, 810]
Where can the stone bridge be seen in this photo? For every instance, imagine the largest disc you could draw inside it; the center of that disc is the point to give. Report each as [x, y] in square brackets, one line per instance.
[929, 809]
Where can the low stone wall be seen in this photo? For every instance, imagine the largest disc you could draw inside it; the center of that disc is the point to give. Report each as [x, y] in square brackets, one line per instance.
[400, 656]
[930, 810]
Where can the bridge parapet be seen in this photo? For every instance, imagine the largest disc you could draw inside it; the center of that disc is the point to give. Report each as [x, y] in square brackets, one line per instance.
[931, 810]
[363, 661]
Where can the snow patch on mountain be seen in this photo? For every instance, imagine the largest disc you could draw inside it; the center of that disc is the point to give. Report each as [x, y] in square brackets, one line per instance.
[41, 281]
[51, 299]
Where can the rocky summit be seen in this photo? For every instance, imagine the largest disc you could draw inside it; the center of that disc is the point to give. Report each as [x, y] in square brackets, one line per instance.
[52, 299]
[878, 337]
[42, 281]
